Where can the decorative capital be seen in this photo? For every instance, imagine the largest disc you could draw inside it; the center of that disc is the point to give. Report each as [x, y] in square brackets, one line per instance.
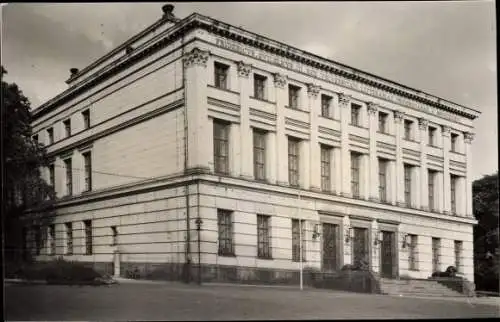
[372, 108]
[280, 80]
[196, 57]
[446, 130]
[313, 90]
[423, 124]
[468, 137]
[344, 99]
[398, 116]
[244, 69]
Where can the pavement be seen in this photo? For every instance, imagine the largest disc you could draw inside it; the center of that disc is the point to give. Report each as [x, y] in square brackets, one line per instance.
[162, 300]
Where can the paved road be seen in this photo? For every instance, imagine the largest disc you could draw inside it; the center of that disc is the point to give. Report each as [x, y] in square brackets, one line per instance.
[174, 301]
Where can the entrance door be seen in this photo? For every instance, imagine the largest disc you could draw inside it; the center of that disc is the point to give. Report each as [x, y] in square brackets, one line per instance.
[387, 254]
[330, 259]
[361, 255]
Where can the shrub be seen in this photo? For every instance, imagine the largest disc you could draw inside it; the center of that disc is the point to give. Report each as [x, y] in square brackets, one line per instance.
[60, 272]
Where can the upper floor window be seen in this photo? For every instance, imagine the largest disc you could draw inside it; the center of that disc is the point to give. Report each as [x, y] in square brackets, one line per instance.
[293, 96]
[407, 187]
[325, 168]
[221, 147]
[259, 86]
[67, 127]
[355, 158]
[52, 175]
[453, 197]
[430, 184]
[408, 130]
[382, 122]
[293, 161]
[221, 73]
[50, 135]
[69, 177]
[432, 135]
[86, 119]
[88, 236]
[326, 103]
[87, 161]
[259, 154]
[355, 114]
[454, 142]
[382, 179]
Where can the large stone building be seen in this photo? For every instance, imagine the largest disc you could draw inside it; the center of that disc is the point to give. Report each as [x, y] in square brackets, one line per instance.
[203, 142]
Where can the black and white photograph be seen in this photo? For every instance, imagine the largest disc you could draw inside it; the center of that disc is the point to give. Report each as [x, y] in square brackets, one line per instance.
[210, 161]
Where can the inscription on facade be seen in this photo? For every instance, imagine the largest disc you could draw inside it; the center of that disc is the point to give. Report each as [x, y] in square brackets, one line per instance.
[332, 78]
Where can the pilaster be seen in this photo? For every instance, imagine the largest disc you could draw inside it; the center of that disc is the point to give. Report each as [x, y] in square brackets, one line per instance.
[375, 262]
[346, 240]
[446, 170]
[337, 157]
[468, 137]
[304, 166]
[344, 101]
[235, 150]
[195, 63]
[399, 184]
[314, 154]
[280, 82]
[246, 157]
[423, 124]
[373, 160]
[271, 157]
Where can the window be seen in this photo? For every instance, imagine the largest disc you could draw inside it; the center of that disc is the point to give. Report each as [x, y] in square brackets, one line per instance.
[382, 180]
[52, 175]
[221, 72]
[69, 177]
[454, 142]
[408, 133]
[296, 241]
[355, 111]
[407, 178]
[259, 155]
[87, 161]
[67, 127]
[431, 179]
[412, 254]
[436, 254]
[69, 238]
[38, 239]
[86, 119]
[325, 168]
[355, 174]
[225, 225]
[259, 86]
[264, 246]
[382, 122]
[293, 96]
[52, 239]
[326, 102]
[221, 147]
[458, 255]
[88, 237]
[453, 191]
[35, 138]
[50, 135]
[114, 234]
[293, 161]
[432, 134]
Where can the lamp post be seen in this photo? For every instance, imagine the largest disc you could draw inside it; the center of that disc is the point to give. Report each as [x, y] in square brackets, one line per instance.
[300, 241]
[198, 222]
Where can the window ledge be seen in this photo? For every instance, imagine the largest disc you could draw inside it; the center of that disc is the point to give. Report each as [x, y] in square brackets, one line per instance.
[262, 100]
[226, 254]
[414, 270]
[434, 146]
[223, 89]
[410, 140]
[328, 117]
[385, 133]
[358, 126]
[265, 257]
[297, 109]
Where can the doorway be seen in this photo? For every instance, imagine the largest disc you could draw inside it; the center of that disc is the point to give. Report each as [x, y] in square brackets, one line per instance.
[387, 252]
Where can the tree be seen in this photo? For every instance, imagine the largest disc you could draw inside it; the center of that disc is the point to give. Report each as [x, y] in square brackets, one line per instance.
[486, 233]
[23, 186]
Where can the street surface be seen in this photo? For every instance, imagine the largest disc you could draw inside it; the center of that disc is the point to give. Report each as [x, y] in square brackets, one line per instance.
[175, 301]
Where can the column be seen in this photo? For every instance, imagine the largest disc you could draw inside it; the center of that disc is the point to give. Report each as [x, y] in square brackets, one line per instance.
[373, 163]
[375, 261]
[347, 245]
[423, 125]
[365, 177]
[246, 155]
[468, 137]
[344, 142]
[235, 150]
[195, 63]
[338, 169]
[304, 168]
[271, 161]
[461, 196]
[416, 184]
[446, 170]
[391, 181]
[399, 183]
[314, 154]
[280, 82]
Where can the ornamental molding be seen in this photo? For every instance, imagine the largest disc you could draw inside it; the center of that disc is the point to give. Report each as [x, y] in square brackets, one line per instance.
[313, 90]
[196, 57]
[446, 130]
[344, 100]
[423, 124]
[372, 108]
[398, 116]
[280, 80]
[468, 137]
[244, 70]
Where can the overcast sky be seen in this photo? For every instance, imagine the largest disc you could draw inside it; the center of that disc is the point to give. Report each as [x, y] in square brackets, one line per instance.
[444, 48]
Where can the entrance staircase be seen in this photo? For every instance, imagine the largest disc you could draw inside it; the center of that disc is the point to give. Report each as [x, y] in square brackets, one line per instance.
[416, 287]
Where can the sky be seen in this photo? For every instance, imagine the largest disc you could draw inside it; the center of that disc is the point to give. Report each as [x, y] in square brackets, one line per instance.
[447, 48]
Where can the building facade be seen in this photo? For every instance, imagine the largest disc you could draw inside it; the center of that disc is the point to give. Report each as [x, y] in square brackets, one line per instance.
[196, 141]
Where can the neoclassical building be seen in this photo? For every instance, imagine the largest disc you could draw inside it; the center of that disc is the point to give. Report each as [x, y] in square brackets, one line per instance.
[197, 141]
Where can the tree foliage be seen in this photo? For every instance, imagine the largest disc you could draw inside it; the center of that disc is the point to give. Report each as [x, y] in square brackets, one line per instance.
[23, 186]
[486, 233]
